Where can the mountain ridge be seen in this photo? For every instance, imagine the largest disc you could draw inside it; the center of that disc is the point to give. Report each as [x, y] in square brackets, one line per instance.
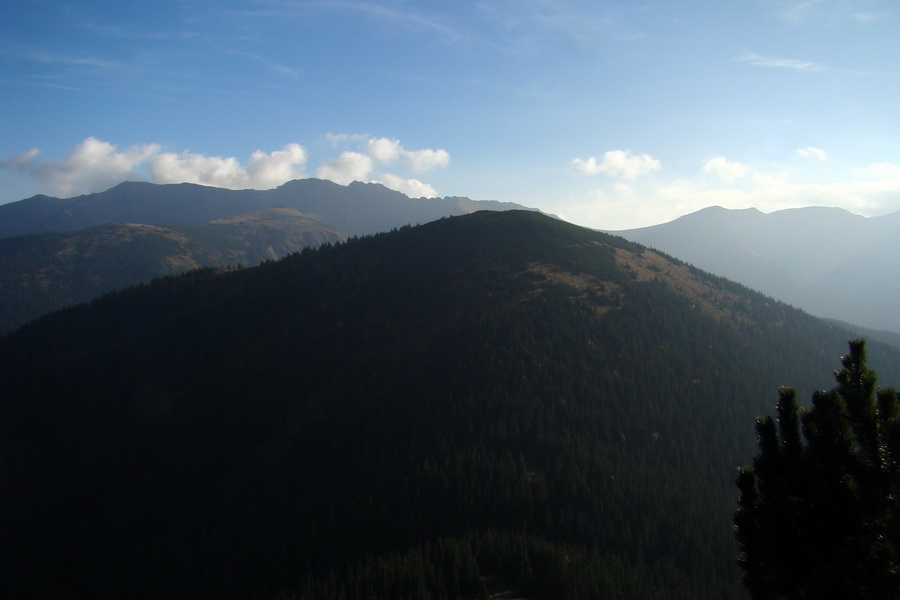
[825, 260]
[41, 272]
[356, 209]
[36, 283]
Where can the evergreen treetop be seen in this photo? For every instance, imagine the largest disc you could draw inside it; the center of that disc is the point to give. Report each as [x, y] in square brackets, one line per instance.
[818, 516]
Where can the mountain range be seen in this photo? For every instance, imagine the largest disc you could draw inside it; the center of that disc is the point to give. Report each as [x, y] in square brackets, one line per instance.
[827, 261]
[56, 252]
[354, 209]
[499, 403]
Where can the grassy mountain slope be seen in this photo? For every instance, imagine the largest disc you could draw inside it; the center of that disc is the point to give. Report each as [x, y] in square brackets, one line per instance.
[44, 272]
[824, 260]
[494, 400]
[355, 209]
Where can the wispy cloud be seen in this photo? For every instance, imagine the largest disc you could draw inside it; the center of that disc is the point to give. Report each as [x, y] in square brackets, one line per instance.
[793, 11]
[803, 66]
[403, 17]
[29, 52]
[793, 64]
[527, 24]
[57, 66]
[119, 31]
[873, 16]
[267, 62]
[830, 13]
[813, 153]
[340, 140]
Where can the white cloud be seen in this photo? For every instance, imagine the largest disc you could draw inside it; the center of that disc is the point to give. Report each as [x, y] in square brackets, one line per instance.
[411, 187]
[368, 152]
[92, 165]
[271, 170]
[812, 152]
[725, 169]
[188, 167]
[618, 163]
[95, 165]
[262, 171]
[349, 166]
[425, 160]
[383, 150]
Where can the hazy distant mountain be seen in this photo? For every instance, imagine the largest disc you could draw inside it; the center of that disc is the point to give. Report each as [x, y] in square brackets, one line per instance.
[45, 271]
[858, 331]
[355, 209]
[827, 261]
[497, 400]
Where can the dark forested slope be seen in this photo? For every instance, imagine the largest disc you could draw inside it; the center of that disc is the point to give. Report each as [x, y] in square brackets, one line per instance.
[499, 400]
[42, 272]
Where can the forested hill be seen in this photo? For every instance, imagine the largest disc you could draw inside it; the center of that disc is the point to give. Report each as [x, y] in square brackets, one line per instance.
[42, 272]
[354, 209]
[498, 401]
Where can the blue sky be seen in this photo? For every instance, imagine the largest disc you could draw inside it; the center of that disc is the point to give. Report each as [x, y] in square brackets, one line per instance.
[610, 114]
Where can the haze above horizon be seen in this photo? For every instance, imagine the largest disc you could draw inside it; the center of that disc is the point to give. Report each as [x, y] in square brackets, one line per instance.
[611, 115]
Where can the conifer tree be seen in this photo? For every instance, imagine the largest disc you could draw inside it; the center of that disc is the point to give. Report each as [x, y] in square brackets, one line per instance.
[818, 517]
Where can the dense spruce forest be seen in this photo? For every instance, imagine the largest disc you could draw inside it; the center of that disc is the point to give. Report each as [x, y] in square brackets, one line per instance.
[486, 403]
